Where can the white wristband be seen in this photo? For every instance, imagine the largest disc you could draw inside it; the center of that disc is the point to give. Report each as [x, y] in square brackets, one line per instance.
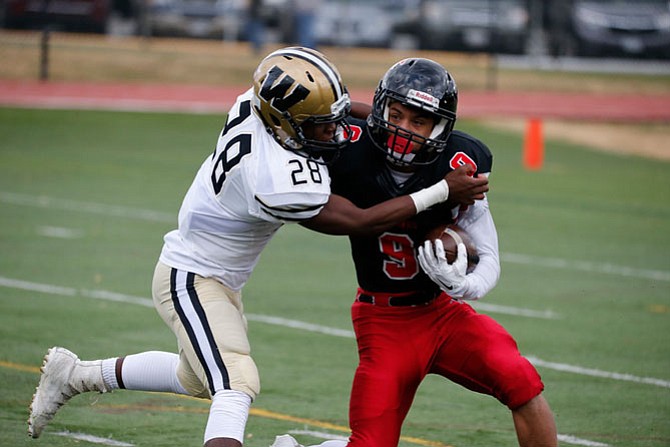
[427, 197]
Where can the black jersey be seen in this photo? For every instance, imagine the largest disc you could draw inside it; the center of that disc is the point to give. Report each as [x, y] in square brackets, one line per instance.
[387, 262]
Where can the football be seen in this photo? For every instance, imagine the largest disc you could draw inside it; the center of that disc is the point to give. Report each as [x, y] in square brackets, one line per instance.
[451, 235]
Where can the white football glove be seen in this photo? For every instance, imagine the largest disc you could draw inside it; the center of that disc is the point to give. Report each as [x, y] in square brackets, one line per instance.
[434, 262]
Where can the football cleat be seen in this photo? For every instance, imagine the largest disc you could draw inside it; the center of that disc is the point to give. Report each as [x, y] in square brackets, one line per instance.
[63, 377]
[285, 441]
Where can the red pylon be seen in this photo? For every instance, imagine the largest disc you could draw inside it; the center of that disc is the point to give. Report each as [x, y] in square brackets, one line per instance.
[533, 145]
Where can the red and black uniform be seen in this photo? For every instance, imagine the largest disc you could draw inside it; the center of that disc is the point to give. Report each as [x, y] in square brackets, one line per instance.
[406, 327]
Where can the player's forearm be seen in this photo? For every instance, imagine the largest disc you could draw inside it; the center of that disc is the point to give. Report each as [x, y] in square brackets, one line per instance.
[341, 217]
[480, 282]
[384, 215]
[478, 222]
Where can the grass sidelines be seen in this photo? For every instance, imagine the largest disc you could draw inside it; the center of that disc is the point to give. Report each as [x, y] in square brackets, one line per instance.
[578, 239]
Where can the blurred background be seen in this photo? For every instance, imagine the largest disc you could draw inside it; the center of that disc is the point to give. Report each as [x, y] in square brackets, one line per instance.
[631, 29]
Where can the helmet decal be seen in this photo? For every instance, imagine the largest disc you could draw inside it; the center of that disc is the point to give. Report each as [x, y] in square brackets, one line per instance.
[274, 91]
[422, 99]
[320, 62]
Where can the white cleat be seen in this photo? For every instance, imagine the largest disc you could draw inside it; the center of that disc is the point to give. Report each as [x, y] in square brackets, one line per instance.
[285, 441]
[63, 376]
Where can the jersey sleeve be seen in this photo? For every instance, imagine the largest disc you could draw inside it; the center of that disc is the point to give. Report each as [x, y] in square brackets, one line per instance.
[478, 222]
[291, 207]
[464, 149]
[290, 187]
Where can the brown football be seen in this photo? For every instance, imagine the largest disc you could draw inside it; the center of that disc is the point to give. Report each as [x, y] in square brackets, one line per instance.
[449, 235]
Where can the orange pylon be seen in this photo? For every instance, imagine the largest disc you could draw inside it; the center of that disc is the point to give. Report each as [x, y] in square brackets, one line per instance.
[533, 145]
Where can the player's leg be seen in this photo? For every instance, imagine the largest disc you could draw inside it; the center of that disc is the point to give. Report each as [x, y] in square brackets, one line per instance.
[147, 371]
[64, 376]
[392, 364]
[481, 355]
[534, 424]
[390, 370]
[214, 351]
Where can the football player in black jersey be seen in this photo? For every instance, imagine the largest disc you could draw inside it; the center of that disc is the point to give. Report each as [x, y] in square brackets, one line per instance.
[410, 316]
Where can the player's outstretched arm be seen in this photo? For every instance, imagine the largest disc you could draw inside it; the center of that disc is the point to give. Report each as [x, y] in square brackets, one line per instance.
[341, 217]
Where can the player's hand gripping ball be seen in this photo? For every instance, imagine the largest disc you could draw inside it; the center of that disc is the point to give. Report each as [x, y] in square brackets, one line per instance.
[451, 235]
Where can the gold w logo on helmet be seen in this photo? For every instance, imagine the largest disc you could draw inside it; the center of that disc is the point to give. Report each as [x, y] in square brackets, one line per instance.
[275, 87]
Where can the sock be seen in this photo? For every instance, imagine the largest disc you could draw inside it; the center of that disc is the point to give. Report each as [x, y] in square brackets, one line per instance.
[109, 373]
[147, 371]
[228, 415]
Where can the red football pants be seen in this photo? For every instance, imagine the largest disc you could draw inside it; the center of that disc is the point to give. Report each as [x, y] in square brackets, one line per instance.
[399, 346]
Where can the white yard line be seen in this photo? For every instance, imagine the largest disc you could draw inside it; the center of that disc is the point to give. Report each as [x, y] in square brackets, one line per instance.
[569, 439]
[92, 439]
[319, 434]
[517, 311]
[59, 232]
[86, 207]
[157, 216]
[565, 439]
[586, 266]
[301, 325]
[597, 373]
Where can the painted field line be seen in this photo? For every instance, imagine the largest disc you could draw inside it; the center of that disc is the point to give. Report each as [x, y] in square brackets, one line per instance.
[301, 325]
[565, 439]
[569, 439]
[516, 311]
[586, 266]
[92, 439]
[598, 373]
[536, 361]
[259, 412]
[158, 216]
[329, 437]
[319, 434]
[59, 232]
[87, 207]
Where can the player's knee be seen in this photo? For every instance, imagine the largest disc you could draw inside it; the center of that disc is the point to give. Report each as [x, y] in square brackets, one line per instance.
[239, 368]
[192, 384]
[242, 373]
[521, 386]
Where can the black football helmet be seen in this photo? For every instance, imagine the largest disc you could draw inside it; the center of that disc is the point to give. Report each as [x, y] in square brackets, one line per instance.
[419, 83]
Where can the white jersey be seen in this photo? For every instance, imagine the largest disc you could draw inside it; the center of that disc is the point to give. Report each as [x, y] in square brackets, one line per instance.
[240, 197]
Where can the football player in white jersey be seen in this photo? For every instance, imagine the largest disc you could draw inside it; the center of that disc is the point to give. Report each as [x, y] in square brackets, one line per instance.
[269, 168]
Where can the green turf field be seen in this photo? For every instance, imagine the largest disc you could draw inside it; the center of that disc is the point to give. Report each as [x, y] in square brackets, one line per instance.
[85, 198]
